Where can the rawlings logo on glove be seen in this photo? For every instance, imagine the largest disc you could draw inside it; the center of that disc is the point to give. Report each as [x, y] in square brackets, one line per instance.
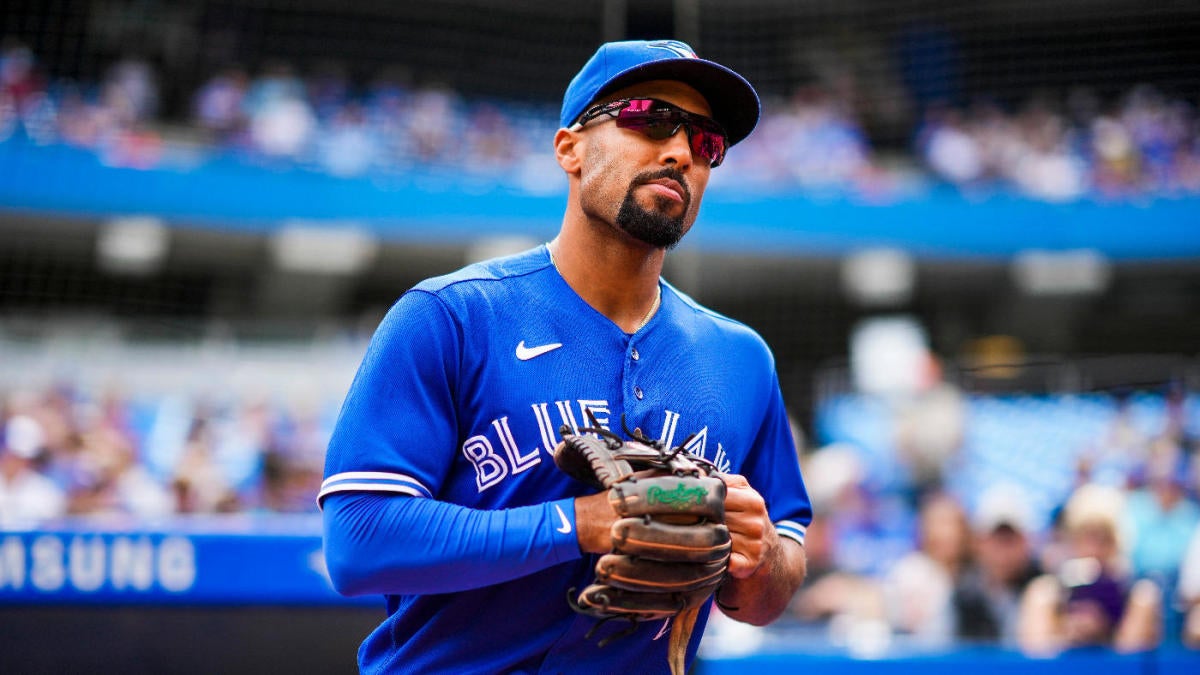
[678, 498]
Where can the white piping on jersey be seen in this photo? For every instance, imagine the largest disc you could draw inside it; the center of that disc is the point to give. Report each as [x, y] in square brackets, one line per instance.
[370, 475]
[369, 487]
[792, 530]
[389, 482]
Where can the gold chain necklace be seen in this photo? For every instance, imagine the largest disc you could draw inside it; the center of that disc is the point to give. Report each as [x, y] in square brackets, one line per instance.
[653, 307]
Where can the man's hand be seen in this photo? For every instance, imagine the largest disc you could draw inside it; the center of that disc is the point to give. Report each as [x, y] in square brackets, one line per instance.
[754, 536]
[594, 518]
[766, 568]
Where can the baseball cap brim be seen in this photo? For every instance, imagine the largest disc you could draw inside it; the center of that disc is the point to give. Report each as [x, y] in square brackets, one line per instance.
[734, 102]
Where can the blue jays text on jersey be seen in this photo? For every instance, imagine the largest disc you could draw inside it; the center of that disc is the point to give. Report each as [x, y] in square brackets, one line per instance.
[459, 400]
[497, 454]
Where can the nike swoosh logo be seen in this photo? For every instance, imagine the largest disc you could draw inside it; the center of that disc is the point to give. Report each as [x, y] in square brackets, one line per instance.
[525, 353]
[566, 524]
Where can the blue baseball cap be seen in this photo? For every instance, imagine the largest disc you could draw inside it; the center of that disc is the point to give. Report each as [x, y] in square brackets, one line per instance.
[615, 65]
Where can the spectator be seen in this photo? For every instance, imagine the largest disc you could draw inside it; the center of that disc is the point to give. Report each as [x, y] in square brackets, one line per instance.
[218, 106]
[987, 595]
[24, 102]
[294, 461]
[1115, 160]
[919, 588]
[812, 141]
[490, 139]
[431, 124]
[130, 90]
[837, 593]
[1089, 600]
[929, 428]
[18, 75]
[950, 149]
[1189, 592]
[1160, 516]
[84, 123]
[347, 147]
[113, 482]
[281, 119]
[27, 496]
[1046, 168]
[199, 484]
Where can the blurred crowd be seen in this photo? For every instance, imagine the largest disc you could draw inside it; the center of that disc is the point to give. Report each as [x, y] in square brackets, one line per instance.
[65, 452]
[1114, 563]
[276, 118]
[913, 561]
[1142, 144]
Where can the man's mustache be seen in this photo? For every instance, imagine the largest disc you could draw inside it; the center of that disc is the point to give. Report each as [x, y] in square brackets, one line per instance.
[668, 172]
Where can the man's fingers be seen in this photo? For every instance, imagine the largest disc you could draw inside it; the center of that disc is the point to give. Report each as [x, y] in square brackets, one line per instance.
[749, 524]
[745, 510]
[734, 480]
[741, 566]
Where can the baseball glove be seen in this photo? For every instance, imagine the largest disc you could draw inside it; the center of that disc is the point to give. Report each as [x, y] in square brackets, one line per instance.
[670, 546]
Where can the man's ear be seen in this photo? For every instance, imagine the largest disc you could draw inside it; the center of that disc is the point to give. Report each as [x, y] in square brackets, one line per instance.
[567, 148]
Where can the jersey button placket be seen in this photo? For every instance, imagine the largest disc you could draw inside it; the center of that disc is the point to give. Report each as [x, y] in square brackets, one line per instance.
[632, 359]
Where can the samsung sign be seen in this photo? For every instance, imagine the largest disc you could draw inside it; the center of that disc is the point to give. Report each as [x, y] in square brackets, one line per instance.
[259, 562]
[52, 563]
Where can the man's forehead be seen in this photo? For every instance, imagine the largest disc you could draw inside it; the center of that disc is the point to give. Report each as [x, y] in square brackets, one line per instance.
[674, 92]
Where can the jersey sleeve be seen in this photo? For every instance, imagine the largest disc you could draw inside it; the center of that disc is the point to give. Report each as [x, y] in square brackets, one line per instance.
[388, 545]
[773, 469]
[397, 428]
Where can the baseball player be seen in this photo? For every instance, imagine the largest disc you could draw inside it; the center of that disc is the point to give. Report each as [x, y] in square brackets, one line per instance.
[441, 491]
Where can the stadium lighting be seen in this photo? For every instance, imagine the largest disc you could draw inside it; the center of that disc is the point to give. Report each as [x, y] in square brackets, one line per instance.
[882, 277]
[1077, 272]
[341, 249]
[134, 245]
[889, 355]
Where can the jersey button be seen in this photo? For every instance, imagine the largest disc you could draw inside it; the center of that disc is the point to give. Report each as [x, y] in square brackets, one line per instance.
[637, 392]
[634, 353]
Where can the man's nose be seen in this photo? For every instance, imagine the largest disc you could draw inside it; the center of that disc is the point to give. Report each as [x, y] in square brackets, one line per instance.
[677, 149]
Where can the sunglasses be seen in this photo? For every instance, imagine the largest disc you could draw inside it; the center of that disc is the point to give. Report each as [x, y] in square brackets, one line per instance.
[659, 120]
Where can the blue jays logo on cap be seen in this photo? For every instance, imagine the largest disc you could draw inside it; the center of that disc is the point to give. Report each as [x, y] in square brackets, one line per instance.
[616, 65]
[675, 46]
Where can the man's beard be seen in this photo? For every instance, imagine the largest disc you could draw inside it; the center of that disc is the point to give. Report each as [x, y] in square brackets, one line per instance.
[653, 227]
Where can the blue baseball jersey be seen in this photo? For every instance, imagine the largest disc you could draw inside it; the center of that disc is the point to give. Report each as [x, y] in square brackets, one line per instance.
[460, 398]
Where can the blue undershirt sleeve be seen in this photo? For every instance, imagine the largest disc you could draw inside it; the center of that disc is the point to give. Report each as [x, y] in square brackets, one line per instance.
[400, 545]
